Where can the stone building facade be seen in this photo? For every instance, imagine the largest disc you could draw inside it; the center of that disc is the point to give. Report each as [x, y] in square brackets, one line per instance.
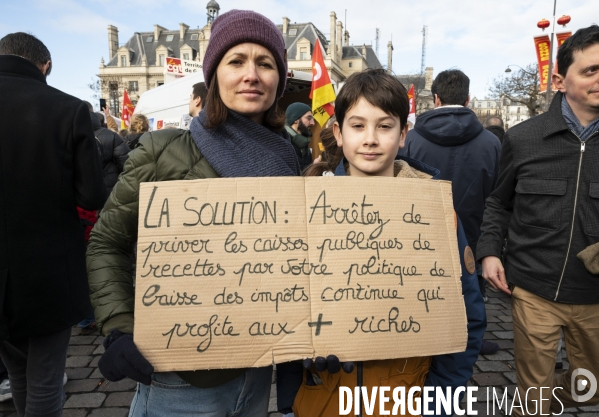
[138, 64]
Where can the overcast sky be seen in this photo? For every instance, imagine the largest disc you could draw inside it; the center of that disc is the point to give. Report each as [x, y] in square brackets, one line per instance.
[480, 37]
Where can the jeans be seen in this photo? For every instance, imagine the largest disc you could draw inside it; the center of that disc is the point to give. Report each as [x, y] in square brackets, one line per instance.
[36, 369]
[170, 396]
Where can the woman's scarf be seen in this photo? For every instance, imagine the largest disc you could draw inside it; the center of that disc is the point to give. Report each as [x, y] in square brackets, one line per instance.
[243, 148]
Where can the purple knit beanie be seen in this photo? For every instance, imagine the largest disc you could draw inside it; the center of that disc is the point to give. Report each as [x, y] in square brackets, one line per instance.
[240, 26]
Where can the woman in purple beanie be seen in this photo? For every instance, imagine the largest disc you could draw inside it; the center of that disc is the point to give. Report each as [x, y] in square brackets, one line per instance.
[240, 133]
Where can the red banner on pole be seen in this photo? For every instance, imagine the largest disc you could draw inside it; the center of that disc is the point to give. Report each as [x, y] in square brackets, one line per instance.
[561, 38]
[542, 47]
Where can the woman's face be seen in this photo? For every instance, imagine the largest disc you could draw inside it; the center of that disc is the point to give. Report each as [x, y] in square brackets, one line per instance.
[248, 79]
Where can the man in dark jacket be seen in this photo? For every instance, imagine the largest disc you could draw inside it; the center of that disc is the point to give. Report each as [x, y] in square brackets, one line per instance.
[547, 204]
[494, 124]
[299, 119]
[48, 165]
[451, 139]
[114, 151]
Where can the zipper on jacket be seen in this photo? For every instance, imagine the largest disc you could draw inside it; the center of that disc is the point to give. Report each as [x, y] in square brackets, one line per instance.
[582, 149]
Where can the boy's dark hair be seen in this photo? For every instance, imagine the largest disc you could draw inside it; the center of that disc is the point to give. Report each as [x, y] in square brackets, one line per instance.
[379, 88]
[200, 90]
[451, 87]
[217, 113]
[583, 38]
[26, 46]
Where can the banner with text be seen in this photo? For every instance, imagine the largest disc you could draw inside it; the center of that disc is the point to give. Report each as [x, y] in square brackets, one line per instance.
[235, 273]
[561, 38]
[175, 68]
[542, 47]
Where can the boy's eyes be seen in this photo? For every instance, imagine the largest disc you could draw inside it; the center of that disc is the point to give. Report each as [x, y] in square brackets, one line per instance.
[361, 126]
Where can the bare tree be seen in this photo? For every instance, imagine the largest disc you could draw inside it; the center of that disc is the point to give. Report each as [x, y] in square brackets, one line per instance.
[521, 86]
[109, 87]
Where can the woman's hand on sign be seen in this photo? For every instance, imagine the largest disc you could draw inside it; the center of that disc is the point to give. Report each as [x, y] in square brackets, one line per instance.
[494, 273]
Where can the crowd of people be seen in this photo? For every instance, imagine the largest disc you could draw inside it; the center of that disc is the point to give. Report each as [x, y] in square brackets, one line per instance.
[527, 205]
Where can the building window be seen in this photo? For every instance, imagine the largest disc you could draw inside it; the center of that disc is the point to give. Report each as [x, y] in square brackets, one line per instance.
[194, 36]
[488, 112]
[123, 61]
[496, 112]
[159, 83]
[350, 64]
[292, 32]
[149, 39]
[133, 86]
[161, 60]
[478, 104]
[186, 57]
[303, 54]
[169, 38]
[488, 104]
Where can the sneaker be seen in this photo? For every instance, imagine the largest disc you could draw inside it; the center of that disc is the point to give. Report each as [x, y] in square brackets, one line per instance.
[488, 348]
[5, 393]
[64, 379]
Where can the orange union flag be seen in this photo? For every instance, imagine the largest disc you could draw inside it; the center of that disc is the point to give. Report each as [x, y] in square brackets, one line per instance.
[127, 111]
[322, 92]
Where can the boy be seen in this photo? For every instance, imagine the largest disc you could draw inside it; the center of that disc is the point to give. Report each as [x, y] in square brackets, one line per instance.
[372, 111]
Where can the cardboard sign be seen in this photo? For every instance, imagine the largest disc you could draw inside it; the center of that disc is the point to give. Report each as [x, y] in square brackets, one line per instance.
[235, 273]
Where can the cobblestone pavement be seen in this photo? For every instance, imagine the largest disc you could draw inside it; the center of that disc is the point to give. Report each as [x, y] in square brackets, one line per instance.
[89, 394]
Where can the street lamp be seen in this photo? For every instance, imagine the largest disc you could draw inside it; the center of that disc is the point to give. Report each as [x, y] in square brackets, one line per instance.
[508, 69]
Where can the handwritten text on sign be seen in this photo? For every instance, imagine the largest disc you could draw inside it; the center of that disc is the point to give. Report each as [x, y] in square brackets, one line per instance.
[248, 272]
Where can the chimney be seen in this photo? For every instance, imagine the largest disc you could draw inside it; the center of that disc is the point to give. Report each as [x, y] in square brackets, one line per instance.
[339, 42]
[285, 25]
[332, 37]
[113, 41]
[346, 38]
[428, 78]
[364, 51]
[390, 57]
[157, 30]
[182, 29]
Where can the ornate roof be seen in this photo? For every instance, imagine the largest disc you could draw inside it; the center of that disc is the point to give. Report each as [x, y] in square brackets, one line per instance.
[213, 5]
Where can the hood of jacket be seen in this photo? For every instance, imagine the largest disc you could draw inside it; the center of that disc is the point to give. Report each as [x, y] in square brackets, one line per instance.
[448, 126]
[404, 167]
[95, 122]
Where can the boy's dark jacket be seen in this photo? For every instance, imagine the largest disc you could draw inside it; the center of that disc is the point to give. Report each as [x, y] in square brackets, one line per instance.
[453, 140]
[450, 370]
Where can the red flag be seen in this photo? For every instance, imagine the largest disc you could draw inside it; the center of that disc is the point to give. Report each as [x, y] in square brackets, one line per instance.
[412, 100]
[127, 112]
[322, 92]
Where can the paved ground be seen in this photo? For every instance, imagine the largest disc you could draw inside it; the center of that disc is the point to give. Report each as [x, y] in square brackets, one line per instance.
[89, 394]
